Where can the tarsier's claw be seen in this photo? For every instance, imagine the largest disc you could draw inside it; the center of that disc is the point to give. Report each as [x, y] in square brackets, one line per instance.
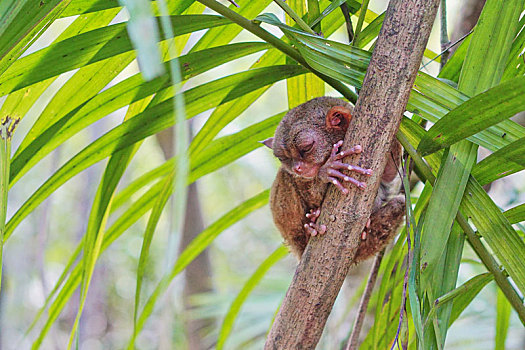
[361, 185]
[335, 175]
[359, 170]
[314, 229]
[356, 149]
[309, 230]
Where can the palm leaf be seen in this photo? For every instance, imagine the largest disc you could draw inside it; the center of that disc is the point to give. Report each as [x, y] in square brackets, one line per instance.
[478, 113]
[87, 48]
[251, 283]
[194, 249]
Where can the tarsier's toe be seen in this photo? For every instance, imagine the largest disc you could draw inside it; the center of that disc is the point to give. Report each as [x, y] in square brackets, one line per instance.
[360, 170]
[354, 150]
[311, 227]
[314, 229]
[313, 214]
[319, 229]
[309, 230]
[364, 234]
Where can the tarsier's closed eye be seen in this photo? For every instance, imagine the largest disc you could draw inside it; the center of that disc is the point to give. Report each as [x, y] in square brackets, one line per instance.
[307, 147]
[338, 118]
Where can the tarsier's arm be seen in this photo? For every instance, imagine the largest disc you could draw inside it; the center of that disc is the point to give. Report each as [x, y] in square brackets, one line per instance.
[289, 212]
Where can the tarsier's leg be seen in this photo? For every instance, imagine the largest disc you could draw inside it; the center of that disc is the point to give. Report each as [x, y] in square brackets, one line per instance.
[384, 224]
[393, 161]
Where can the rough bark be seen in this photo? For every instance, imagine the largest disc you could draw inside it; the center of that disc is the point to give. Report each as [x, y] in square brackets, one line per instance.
[197, 277]
[377, 114]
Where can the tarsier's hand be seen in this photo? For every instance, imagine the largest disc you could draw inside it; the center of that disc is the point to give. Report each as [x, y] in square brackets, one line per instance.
[330, 171]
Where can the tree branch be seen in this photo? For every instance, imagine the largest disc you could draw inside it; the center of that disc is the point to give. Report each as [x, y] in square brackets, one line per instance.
[445, 42]
[377, 115]
[363, 304]
[280, 45]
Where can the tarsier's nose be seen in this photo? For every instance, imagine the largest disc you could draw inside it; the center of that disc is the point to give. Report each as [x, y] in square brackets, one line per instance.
[298, 168]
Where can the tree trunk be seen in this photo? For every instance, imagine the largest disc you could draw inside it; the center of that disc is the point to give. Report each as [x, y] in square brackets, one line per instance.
[197, 278]
[377, 115]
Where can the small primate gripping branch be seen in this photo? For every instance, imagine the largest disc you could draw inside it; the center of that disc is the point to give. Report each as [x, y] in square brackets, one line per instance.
[375, 119]
[307, 141]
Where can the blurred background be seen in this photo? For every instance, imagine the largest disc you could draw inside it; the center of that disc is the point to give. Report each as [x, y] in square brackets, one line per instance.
[197, 301]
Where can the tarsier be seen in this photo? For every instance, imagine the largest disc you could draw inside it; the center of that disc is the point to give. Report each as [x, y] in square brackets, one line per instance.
[307, 143]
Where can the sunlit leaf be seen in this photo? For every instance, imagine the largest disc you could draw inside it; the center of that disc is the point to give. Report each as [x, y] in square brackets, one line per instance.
[516, 214]
[461, 296]
[44, 138]
[21, 24]
[503, 310]
[87, 48]
[18, 103]
[149, 122]
[158, 207]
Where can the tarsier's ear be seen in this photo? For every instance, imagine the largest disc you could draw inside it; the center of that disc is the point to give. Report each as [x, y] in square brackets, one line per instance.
[268, 142]
[338, 118]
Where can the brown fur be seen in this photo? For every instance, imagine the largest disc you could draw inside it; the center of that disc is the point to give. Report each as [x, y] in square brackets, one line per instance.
[292, 195]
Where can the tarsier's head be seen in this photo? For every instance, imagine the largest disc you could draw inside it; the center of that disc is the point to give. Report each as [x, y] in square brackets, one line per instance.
[304, 138]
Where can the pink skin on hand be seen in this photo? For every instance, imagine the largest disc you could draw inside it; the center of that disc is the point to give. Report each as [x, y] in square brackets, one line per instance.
[312, 227]
[333, 165]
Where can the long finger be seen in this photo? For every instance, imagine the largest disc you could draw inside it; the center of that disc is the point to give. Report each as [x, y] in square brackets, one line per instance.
[338, 184]
[357, 169]
[334, 173]
[335, 148]
[354, 150]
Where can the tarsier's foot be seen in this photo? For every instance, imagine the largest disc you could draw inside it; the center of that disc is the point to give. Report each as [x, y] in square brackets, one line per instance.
[312, 227]
[381, 228]
[364, 234]
[333, 166]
